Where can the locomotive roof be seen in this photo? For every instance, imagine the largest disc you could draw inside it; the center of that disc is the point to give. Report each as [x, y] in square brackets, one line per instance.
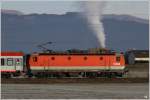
[91, 51]
[76, 53]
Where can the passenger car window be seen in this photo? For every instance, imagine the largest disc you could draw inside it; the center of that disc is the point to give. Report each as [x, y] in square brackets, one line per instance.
[2, 62]
[18, 61]
[10, 61]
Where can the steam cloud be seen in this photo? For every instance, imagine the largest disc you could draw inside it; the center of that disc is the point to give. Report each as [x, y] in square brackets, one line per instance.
[92, 10]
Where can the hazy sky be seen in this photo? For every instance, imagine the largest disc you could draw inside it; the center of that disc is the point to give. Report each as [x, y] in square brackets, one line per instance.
[135, 8]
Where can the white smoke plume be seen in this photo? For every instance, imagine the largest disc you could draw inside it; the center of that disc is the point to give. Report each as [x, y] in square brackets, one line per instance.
[92, 11]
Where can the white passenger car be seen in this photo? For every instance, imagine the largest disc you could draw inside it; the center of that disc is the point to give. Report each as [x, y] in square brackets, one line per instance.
[11, 63]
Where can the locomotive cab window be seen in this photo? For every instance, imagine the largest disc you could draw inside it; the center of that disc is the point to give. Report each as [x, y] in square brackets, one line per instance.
[35, 59]
[2, 62]
[10, 61]
[118, 59]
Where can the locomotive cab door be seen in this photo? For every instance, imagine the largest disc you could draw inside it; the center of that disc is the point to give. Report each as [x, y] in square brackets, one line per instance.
[115, 65]
[118, 58]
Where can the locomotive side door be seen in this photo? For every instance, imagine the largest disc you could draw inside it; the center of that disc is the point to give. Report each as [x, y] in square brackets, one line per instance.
[108, 62]
[46, 63]
[104, 62]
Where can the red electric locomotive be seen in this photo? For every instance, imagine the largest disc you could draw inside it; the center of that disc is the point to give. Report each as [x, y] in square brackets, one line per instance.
[77, 64]
[11, 63]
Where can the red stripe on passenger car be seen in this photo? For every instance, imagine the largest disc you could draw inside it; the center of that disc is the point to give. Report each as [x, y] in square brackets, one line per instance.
[12, 54]
[7, 70]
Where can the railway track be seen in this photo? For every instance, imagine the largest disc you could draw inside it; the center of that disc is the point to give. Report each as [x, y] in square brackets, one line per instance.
[73, 80]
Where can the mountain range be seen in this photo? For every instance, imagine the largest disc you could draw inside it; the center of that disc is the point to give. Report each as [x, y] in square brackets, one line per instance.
[22, 32]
